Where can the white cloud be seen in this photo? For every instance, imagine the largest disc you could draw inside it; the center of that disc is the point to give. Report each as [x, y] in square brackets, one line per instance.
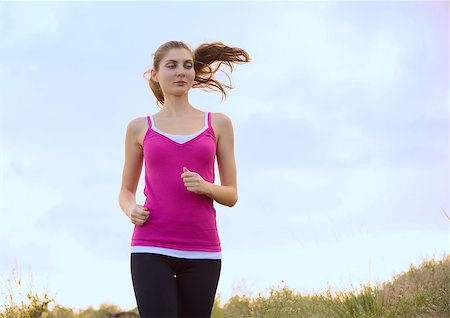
[16, 20]
[23, 199]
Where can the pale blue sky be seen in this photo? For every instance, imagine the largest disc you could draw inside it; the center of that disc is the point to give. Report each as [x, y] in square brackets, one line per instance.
[341, 139]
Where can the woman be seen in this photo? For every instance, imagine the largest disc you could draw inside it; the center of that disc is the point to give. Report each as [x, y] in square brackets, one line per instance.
[175, 247]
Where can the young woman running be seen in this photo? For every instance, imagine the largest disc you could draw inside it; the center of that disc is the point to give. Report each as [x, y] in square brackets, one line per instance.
[175, 247]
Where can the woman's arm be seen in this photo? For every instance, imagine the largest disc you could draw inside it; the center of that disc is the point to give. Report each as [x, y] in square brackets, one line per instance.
[131, 169]
[226, 193]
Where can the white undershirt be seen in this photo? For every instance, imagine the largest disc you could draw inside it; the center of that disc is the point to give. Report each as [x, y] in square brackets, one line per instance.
[181, 138]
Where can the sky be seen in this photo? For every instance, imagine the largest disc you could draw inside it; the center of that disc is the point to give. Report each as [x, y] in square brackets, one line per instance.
[341, 140]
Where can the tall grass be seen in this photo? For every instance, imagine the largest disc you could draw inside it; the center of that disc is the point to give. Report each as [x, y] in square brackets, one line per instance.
[422, 291]
[20, 300]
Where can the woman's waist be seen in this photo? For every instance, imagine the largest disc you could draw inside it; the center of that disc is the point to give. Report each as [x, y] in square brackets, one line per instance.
[175, 252]
[181, 219]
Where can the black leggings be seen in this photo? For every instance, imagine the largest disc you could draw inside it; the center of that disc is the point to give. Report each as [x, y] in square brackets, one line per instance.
[167, 286]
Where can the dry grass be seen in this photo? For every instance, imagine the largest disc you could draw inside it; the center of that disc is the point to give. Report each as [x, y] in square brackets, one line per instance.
[422, 291]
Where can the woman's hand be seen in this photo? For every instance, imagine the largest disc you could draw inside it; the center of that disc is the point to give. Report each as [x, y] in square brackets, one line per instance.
[194, 182]
[138, 214]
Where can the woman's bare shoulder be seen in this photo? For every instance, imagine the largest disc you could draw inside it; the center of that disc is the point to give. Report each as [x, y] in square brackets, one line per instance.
[220, 119]
[221, 123]
[137, 127]
[137, 124]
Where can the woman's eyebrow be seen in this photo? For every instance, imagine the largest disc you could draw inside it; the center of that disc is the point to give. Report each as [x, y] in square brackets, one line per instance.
[177, 61]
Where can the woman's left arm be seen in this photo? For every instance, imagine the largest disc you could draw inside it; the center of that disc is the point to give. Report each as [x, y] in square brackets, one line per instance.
[226, 193]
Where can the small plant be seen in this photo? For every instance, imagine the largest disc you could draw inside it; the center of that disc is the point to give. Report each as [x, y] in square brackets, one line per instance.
[20, 301]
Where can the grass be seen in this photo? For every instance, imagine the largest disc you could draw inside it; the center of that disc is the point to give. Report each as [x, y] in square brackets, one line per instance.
[20, 299]
[422, 291]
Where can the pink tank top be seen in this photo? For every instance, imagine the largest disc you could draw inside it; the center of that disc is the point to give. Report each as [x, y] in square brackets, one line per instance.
[179, 219]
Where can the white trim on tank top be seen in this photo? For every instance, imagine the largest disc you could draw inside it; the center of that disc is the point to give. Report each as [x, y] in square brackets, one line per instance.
[181, 138]
[176, 253]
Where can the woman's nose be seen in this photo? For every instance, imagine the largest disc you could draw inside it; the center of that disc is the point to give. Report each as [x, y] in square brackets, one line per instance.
[180, 71]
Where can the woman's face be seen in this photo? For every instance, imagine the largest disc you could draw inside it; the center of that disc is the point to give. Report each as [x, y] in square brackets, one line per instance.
[176, 66]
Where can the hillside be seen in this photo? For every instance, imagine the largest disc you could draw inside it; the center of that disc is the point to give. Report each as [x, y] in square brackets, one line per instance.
[422, 291]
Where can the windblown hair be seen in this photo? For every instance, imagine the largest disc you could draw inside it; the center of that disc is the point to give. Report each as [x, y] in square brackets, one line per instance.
[205, 56]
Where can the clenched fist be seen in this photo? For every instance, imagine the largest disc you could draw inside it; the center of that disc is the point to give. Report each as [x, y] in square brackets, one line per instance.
[194, 182]
[138, 214]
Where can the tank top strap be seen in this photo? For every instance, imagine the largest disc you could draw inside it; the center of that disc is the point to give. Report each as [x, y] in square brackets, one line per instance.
[208, 119]
[149, 121]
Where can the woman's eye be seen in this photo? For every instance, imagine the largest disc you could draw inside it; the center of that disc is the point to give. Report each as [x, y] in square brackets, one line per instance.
[172, 66]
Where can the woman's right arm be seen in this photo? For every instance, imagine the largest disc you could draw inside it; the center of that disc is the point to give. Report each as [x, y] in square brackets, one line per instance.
[131, 174]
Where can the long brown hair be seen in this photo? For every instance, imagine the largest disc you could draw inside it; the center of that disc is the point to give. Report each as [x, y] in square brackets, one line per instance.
[204, 56]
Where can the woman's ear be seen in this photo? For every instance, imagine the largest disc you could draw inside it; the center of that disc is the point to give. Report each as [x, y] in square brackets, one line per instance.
[154, 75]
